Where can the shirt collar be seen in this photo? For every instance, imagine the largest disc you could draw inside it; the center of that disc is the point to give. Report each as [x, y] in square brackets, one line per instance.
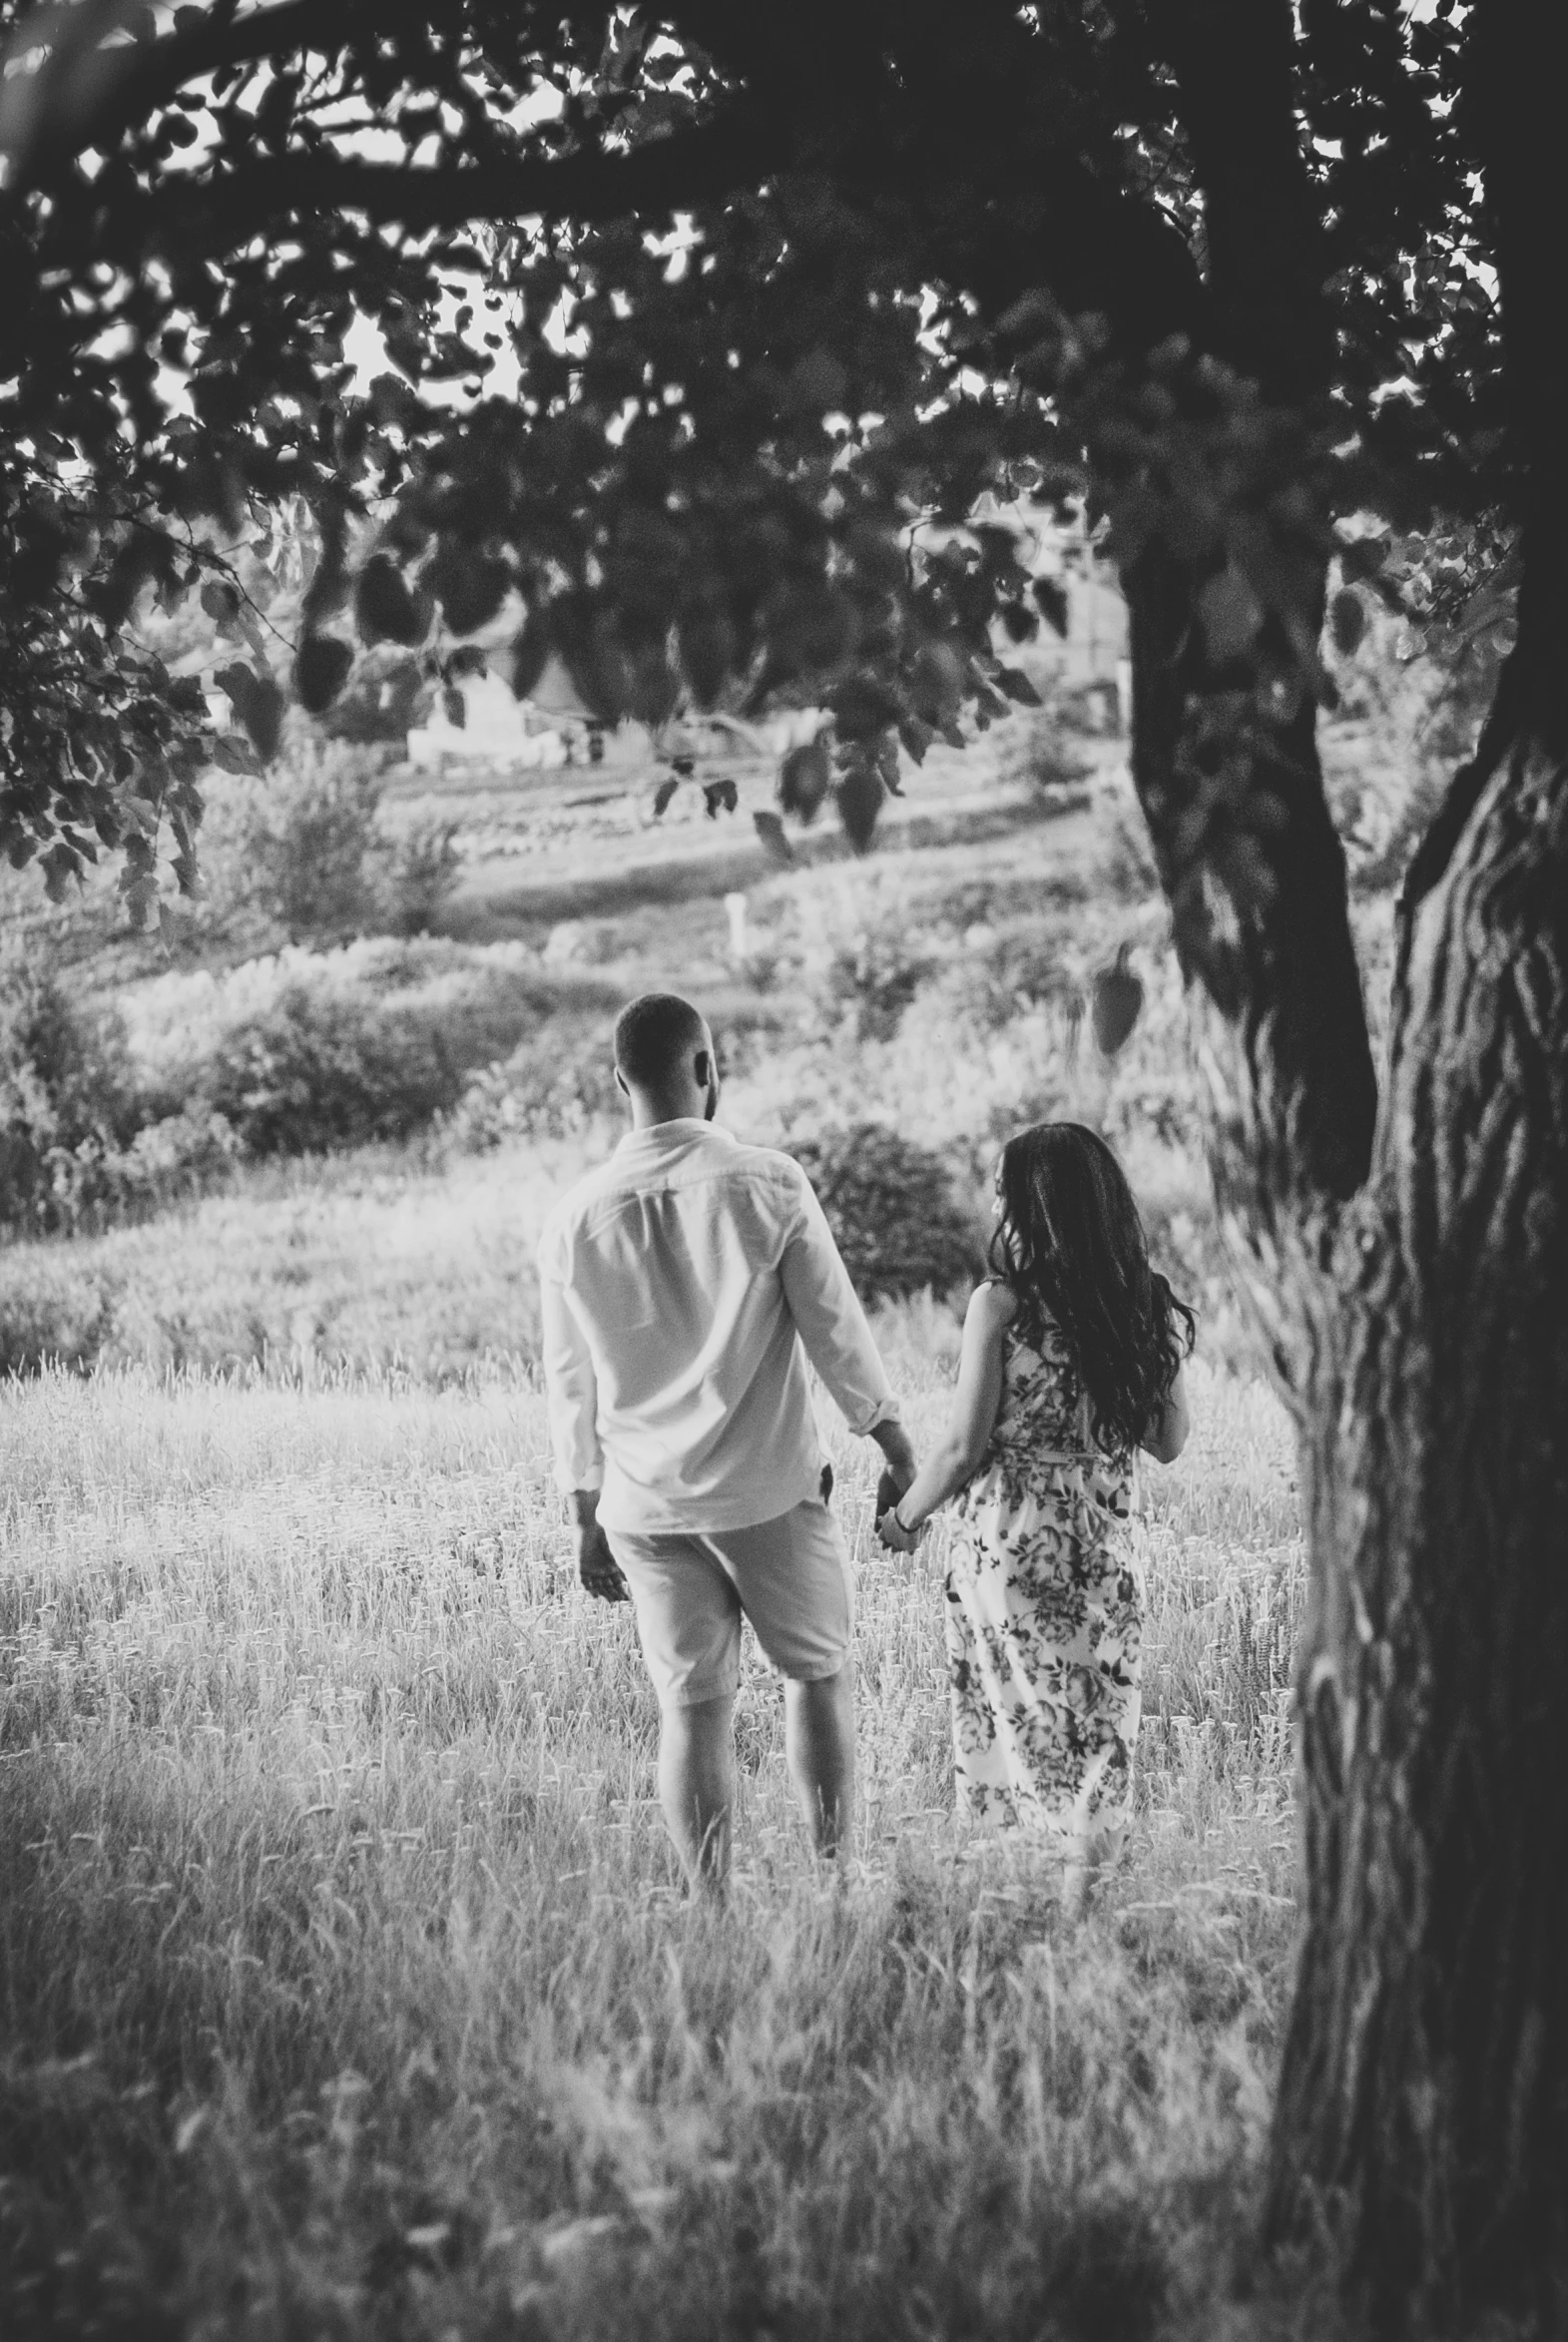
[663, 1139]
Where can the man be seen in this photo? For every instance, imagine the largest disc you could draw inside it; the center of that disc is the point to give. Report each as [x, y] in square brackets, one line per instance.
[678, 1286]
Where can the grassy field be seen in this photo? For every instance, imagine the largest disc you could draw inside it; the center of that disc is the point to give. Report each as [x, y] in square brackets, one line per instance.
[347, 1985]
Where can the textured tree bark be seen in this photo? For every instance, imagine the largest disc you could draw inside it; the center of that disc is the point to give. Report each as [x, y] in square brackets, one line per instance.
[1416, 1302]
[1423, 2101]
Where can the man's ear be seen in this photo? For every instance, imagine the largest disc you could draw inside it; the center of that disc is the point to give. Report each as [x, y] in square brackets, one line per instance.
[704, 1071]
[620, 1082]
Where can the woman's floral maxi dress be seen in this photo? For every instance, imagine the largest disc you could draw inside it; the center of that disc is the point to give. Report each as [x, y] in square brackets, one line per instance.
[1044, 1610]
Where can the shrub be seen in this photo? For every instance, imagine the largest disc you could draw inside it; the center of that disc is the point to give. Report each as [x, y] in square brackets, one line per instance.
[424, 871]
[313, 848]
[890, 1204]
[66, 1107]
[864, 987]
[374, 1042]
[52, 1312]
[553, 1085]
[319, 1068]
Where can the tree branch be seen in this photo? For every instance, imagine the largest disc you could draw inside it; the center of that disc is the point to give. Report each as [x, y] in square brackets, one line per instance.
[1235, 65]
[1285, 979]
[675, 173]
[155, 72]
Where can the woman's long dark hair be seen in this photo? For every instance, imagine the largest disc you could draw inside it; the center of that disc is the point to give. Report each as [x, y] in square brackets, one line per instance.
[1069, 1243]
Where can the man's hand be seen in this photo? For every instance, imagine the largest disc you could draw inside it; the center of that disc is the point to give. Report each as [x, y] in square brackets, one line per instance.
[889, 1487]
[899, 1463]
[596, 1565]
[898, 1539]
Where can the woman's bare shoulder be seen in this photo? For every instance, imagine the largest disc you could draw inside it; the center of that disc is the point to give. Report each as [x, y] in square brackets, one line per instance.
[993, 1304]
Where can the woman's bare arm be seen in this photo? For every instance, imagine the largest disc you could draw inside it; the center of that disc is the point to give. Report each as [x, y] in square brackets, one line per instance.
[1167, 1435]
[978, 1396]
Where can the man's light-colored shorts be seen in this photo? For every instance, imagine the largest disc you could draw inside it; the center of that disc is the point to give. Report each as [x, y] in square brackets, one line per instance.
[789, 1576]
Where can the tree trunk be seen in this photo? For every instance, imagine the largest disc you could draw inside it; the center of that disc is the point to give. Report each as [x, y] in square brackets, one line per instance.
[1423, 2101]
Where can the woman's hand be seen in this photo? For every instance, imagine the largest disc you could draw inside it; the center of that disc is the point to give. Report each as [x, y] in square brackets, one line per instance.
[898, 1539]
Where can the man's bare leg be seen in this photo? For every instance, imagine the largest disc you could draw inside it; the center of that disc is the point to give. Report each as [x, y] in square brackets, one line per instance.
[697, 1787]
[820, 1746]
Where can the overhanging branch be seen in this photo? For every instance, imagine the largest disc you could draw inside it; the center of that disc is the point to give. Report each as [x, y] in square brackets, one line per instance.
[140, 78]
[687, 169]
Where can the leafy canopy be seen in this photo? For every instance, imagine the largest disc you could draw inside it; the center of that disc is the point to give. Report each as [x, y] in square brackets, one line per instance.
[707, 328]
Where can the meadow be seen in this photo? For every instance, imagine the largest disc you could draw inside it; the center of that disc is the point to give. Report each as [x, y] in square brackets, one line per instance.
[346, 1982]
[348, 1986]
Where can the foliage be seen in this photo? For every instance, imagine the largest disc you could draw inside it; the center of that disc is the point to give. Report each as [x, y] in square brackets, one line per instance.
[753, 336]
[65, 1107]
[553, 1091]
[313, 1052]
[423, 874]
[315, 1071]
[891, 1207]
[313, 850]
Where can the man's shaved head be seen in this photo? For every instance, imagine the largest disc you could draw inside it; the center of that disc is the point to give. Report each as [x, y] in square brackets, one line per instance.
[656, 1040]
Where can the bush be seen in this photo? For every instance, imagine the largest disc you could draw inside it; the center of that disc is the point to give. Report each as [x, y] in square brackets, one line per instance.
[422, 876]
[52, 1312]
[313, 848]
[318, 1070]
[66, 1107]
[890, 1204]
[553, 1086]
[374, 1042]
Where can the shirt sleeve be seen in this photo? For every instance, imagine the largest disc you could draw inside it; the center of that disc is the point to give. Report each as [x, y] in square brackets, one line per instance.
[831, 1321]
[571, 1385]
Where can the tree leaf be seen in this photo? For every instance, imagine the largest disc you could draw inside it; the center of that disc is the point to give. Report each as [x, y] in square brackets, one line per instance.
[859, 798]
[1051, 595]
[1018, 686]
[384, 609]
[1114, 1000]
[530, 652]
[663, 794]
[263, 717]
[236, 682]
[220, 601]
[804, 777]
[708, 646]
[863, 705]
[471, 588]
[320, 670]
[233, 753]
[771, 831]
[917, 737]
[59, 865]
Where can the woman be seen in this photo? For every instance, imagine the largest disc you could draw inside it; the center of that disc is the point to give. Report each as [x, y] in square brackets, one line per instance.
[1072, 1360]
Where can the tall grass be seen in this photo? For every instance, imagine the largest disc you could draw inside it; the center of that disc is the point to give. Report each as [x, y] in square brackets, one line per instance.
[347, 1984]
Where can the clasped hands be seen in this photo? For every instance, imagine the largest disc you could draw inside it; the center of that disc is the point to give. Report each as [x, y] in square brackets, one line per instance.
[602, 1577]
[889, 1529]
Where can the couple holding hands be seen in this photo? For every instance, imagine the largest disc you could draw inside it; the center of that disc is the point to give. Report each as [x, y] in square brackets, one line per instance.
[684, 1284]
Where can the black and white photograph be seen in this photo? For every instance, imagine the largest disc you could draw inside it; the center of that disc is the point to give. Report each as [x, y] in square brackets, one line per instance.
[784, 1171]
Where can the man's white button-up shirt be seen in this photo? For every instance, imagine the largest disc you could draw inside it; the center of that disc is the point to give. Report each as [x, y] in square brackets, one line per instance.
[678, 1284]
